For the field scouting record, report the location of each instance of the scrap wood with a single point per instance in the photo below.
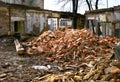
(106, 77)
(77, 50)
(19, 47)
(116, 63)
(96, 73)
(90, 73)
(69, 77)
(81, 42)
(41, 78)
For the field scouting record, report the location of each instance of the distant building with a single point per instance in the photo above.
(107, 19)
(52, 22)
(23, 19)
(65, 22)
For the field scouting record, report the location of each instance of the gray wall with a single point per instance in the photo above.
(34, 3)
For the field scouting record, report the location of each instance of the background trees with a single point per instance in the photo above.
(92, 4)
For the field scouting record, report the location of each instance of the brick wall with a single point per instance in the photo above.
(4, 24)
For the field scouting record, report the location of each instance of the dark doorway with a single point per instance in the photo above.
(16, 26)
(19, 26)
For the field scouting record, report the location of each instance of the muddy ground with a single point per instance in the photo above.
(24, 68)
(16, 68)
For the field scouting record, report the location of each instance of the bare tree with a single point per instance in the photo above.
(96, 4)
(74, 11)
(89, 4)
(92, 4)
(75, 8)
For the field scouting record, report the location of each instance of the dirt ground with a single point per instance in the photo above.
(15, 68)
(24, 68)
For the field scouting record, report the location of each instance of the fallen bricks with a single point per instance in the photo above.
(86, 57)
(70, 45)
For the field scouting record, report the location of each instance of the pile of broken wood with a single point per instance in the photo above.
(79, 50)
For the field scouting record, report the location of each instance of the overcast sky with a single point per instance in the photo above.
(52, 5)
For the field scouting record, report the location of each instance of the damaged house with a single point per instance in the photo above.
(106, 20)
(14, 16)
(29, 17)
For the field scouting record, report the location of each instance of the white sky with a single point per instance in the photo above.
(52, 5)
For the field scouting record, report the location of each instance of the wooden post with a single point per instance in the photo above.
(113, 29)
(19, 48)
(25, 21)
(86, 24)
(57, 23)
(105, 28)
(9, 28)
(46, 28)
(47, 24)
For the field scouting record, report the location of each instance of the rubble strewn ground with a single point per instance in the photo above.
(64, 55)
(77, 50)
(15, 68)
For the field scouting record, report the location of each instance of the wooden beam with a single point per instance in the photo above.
(57, 23)
(113, 29)
(19, 48)
(9, 27)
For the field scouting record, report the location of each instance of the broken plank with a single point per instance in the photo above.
(19, 48)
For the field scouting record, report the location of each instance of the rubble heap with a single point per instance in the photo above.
(85, 55)
(70, 44)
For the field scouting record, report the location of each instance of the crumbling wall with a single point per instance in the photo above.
(4, 24)
(19, 16)
(35, 3)
(117, 23)
(17, 12)
(102, 20)
(35, 22)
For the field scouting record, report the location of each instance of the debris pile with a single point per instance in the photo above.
(80, 56)
(69, 44)
(102, 71)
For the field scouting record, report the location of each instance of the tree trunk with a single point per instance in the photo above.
(98, 30)
(89, 6)
(92, 26)
(74, 22)
(96, 4)
(75, 6)
(89, 3)
(98, 27)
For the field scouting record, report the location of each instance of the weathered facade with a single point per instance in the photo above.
(17, 18)
(36, 21)
(4, 19)
(108, 20)
(33, 3)
(65, 17)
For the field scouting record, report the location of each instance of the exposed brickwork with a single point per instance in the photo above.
(4, 24)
